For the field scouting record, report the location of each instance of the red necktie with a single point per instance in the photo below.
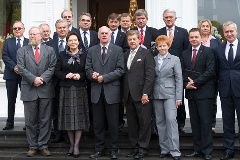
(37, 54)
(194, 57)
(141, 37)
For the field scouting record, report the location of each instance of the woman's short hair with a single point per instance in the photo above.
(164, 39)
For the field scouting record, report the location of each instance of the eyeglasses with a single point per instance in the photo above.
(17, 28)
(169, 17)
(65, 17)
(33, 34)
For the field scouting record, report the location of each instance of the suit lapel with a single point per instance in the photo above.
(136, 57)
(109, 52)
(99, 53)
(31, 53)
(237, 57)
(199, 53)
(25, 42)
(42, 52)
(166, 60)
(118, 37)
(13, 42)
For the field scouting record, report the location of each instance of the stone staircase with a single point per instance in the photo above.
(13, 145)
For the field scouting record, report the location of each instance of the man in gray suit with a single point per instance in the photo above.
(104, 68)
(36, 63)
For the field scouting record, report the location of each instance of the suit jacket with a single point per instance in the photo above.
(140, 78)
(180, 40)
(150, 36)
(93, 40)
(112, 69)
(214, 42)
(228, 76)
(121, 41)
(204, 64)
(29, 70)
(63, 68)
(168, 82)
(9, 57)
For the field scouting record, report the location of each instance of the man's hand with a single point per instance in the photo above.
(38, 81)
(100, 79)
(190, 84)
(16, 69)
(144, 99)
(95, 75)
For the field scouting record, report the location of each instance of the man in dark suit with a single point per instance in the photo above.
(46, 32)
(36, 64)
(59, 44)
(198, 64)
(180, 42)
(147, 34)
(13, 79)
(117, 37)
(88, 38)
(138, 83)
(85, 22)
(105, 67)
(68, 16)
(125, 22)
(228, 69)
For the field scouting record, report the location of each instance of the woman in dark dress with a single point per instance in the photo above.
(73, 104)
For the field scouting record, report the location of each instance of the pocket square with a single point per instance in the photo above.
(139, 60)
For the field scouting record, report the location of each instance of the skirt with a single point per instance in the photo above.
(73, 111)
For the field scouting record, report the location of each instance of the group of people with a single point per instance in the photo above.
(82, 80)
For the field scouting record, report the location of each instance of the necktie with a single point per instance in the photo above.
(131, 59)
(141, 37)
(18, 43)
(37, 54)
(103, 53)
(170, 36)
(85, 41)
(230, 55)
(112, 38)
(60, 47)
(194, 57)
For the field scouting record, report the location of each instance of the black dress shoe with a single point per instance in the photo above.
(140, 155)
(176, 157)
(207, 157)
(132, 154)
(163, 155)
(113, 154)
(69, 154)
(8, 127)
(194, 154)
(97, 155)
(227, 156)
(24, 128)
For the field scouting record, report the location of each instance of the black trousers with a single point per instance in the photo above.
(105, 113)
(229, 105)
(200, 111)
(181, 114)
(139, 124)
(12, 89)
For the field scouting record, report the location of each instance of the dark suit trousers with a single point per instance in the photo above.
(101, 110)
(12, 89)
(229, 105)
(139, 124)
(200, 111)
(38, 112)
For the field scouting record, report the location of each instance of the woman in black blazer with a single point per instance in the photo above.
(209, 40)
(73, 103)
